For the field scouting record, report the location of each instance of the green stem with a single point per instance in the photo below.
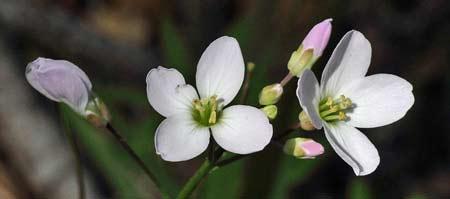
(286, 79)
(136, 158)
(229, 160)
(245, 87)
(194, 181)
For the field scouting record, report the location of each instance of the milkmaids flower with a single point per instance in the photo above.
(63, 81)
(185, 133)
(347, 99)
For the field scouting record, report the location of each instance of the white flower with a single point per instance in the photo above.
(347, 99)
(185, 133)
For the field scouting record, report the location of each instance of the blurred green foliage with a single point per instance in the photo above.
(359, 189)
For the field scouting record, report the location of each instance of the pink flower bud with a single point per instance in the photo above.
(311, 148)
(311, 48)
(60, 81)
(317, 38)
(303, 148)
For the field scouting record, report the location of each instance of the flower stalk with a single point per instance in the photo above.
(246, 85)
(136, 158)
(194, 181)
(286, 79)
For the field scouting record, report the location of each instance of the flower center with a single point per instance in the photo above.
(332, 110)
(206, 111)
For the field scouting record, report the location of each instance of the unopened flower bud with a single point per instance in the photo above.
(60, 81)
(250, 66)
(97, 113)
(303, 148)
(311, 48)
(271, 111)
(270, 94)
(305, 121)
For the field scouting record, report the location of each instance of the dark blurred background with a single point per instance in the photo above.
(118, 41)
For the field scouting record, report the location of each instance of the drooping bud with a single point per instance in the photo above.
(270, 94)
(271, 111)
(303, 148)
(60, 81)
(97, 113)
(311, 48)
(305, 121)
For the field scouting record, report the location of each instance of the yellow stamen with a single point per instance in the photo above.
(342, 116)
(206, 111)
(334, 110)
(212, 117)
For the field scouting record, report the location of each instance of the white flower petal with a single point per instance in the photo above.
(179, 138)
(167, 91)
(220, 70)
(60, 81)
(379, 100)
(308, 94)
(242, 129)
(349, 61)
(353, 147)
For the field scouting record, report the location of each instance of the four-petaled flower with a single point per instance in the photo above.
(346, 99)
(185, 133)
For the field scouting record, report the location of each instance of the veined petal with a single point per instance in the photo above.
(60, 81)
(308, 94)
(349, 62)
(379, 100)
(220, 70)
(242, 129)
(167, 91)
(179, 138)
(353, 147)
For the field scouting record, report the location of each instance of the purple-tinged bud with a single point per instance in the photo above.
(311, 48)
(317, 38)
(60, 81)
(303, 148)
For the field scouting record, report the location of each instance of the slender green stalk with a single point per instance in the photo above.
(229, 160)
(76, 152)
(136, 158)
(286, 79)
(194, 181)
(245, 87)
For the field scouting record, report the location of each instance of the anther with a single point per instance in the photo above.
(334, 110)
(342, 116)
(212, 117)
(329, 101)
